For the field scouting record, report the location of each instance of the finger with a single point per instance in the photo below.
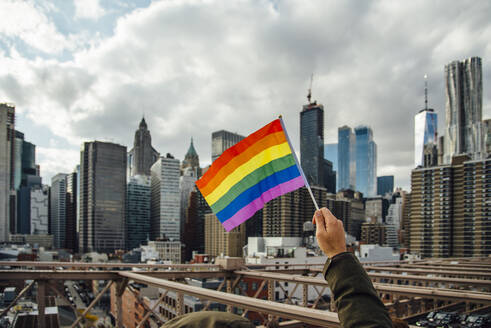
(328, 216)
(319, 219)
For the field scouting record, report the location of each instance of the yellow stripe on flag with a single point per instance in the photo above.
(242, 171)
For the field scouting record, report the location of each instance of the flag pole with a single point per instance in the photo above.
(298, 164)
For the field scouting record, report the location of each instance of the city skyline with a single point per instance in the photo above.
(96, 86)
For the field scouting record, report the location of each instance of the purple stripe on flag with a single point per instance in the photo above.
(247, 211)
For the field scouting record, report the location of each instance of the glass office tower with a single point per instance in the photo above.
(425, 132)
(312, 143)
(346, 158)
(366, 161)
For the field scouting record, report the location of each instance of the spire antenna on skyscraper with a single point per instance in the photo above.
(309, 95)
(426, 92)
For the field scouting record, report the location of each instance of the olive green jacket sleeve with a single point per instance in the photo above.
(354, 295)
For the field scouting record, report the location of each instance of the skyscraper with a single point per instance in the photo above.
(102, 197)
(312, 143)
(191, 159)
(331, 154)
(39, 210)
(463, 108)
(165, 207)
(487, 135)
(385, 184)
(425, 130)
(329, 176)
(138, 211)
(58, 209)
(366, 161)
(346, 158)
(19, 143)
(221, 141)
(143, 155)
(71, 240)
(7, 135)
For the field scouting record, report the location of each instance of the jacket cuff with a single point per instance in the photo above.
(336, 258)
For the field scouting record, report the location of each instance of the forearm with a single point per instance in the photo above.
(355, 297)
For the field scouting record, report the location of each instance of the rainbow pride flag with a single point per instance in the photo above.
(254, 171)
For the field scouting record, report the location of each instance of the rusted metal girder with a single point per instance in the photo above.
(149, 313)
(434, 272)
(422, 279)
(101, 275)
(310, 316)
(36, 264)
(23, 291)
(411, 291)
(142, 302)
(415, 278)
(462, 267)
(91, 305)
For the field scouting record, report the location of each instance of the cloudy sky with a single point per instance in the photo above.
(89, 69)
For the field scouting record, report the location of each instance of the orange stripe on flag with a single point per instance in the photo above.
(236, 150)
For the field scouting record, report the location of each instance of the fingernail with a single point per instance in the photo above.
(318, 214)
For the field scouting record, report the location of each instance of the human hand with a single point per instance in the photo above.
(330, 232)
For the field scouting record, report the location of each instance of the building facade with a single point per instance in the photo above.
(450, 209)
(331, 154)
(7, 135)
(102, 197)
(165, 209)
(329, 176)
(385, 185)
(142, 156)
(284, 216)
(71, 239)
(138, 211)
(425, 132)
(39, 210)
(219, 242)
(221, 141)
(487, 136)
(393, 222)
(312, 143)
(463, 109)
(168, 251)
(373, 232)
(346, 158)
(366, 161)
(58, 209)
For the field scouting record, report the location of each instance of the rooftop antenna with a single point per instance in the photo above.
(309, 95)
(426, 92)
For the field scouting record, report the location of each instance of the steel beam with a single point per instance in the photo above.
(36, 264)
(427, 272)
(101, 275)
(462, 267)
(310, 316)
(412, 291)
(23, 291)
(91, 305)
(149, 313)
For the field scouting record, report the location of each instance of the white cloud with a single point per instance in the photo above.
(194, 67)
(90, 9)
(56, 160)
(23, 20)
